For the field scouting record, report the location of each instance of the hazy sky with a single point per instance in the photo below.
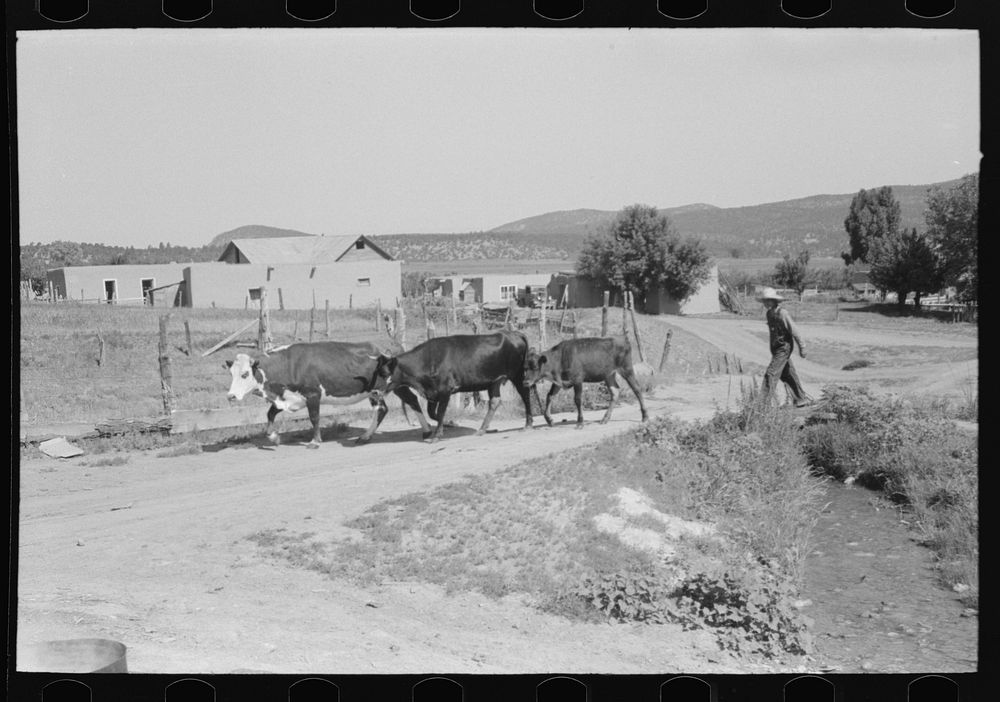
(141, 136)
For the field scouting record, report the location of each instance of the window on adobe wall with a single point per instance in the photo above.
(364, 282)
(508, 292)
(254, 293)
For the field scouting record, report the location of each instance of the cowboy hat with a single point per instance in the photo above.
(769, 294)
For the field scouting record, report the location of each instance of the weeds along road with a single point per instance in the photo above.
(154, 552)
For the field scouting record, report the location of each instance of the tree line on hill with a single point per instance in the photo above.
(642, 248)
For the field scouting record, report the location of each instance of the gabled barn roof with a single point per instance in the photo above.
(295, 249)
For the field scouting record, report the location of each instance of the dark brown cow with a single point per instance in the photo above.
(445, 365)
(573, 362)
(306, 375)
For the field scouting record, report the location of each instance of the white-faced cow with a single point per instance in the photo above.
(306, 375)
(573, 362)
(445, 365)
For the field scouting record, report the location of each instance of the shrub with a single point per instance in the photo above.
(753, 611)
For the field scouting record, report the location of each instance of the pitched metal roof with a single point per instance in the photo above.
(298, 249)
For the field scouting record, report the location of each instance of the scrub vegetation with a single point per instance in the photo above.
(705, 525)
(916, 457)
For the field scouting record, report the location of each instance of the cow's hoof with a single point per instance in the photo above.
(548, 421)
(312, 445)
(426, 435)
(645, 418)
(480, 432)
(579, 426)
(274, 439)
(363, 439)
(603, 421)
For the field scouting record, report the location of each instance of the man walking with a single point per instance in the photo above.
(784, 337)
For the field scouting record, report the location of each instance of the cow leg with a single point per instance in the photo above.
(578, 399)
(312, 405)
(634, 384)
(525, 394)
(379, 411)
(548, 402)
(272, 431)
(615, 391)
(494, 393)
(410, 400)
(442, 408)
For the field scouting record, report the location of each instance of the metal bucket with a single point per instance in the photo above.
(73, 656)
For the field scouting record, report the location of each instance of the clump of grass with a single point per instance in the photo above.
(854, 365)
(186, 449)
(110, 461)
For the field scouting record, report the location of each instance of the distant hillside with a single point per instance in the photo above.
(578, 222)
(253, 231)
(815, 223)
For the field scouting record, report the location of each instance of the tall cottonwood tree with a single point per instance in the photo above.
(642, 249)
(905, 263)
(793, 272)
(874, 214)
(952, 218)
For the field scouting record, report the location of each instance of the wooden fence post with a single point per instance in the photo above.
(327, 312)
(100, 349)
(166, 376)
(378, 314)
(635, 328)
(604, 313)
(454, 314)
(543, 323)
(281, 300)
(350, 301)
(312, 322)
(401, 327)
(624, 312)
(573, 312)
(666, 350)
(187, 336)
(264, 322)
(295, 327)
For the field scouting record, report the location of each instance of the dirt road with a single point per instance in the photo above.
(154, 553)
(747, 338)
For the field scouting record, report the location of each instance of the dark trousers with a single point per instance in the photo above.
(781, 368)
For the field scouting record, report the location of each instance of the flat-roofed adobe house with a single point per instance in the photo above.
(346, 271)
(125, 284)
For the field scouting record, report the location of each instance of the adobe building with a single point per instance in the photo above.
(346, 271)
(124, 284)
(582, 291)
